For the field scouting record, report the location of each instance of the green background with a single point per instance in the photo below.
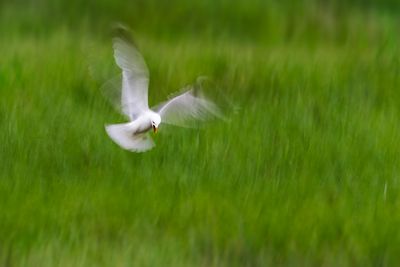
(305, 173)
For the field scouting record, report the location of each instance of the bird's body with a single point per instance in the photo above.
(179, 110)
(134, 135)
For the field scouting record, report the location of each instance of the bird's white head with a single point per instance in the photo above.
(155, 121)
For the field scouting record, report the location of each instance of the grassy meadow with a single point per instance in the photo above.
(305, 173)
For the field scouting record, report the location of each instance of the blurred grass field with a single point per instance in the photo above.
(306, 173)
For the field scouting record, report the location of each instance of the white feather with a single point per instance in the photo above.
(135, 78)
(188, 108)
(123, 135)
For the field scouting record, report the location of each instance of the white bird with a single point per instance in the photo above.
(180, 110)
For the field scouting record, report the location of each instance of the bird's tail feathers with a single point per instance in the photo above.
(123, 135)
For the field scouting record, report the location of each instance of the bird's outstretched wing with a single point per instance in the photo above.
(135, 77)
(188, 109)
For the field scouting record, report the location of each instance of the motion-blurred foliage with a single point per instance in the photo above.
(306, 173)
(267, 21)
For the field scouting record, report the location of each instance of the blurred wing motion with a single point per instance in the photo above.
(123, 136)
(135, 78)
(188, 109)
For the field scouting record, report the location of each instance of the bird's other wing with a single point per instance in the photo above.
(111, 90)
(188, 109)
(122, 135)
(135, 77)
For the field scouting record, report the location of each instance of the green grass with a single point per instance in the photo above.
(306, 173)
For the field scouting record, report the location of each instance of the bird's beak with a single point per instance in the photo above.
(155, 129)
